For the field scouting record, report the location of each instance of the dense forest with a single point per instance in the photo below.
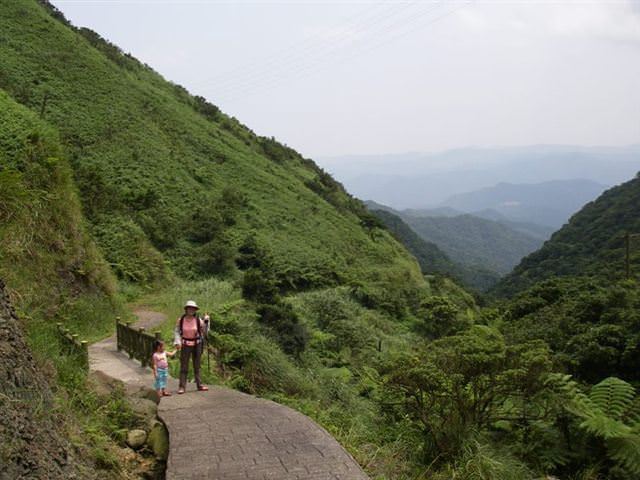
(483, 249)
(592, 243)
(117, 186)
(432, 259)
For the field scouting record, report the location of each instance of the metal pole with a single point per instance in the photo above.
(206, 344)
(627, 242)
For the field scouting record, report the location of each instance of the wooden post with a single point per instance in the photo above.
(129, 342)
(140, 347)
(158, 335)
(118, 335)
(85, 351)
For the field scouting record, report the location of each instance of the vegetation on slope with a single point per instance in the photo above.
(481, 249)
(169, 177)
(52, 424)
(475, 241)
(48, 260)
(592, 243)
(314, 304)
(431, 258)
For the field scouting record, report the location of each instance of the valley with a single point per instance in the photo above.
(487, 331)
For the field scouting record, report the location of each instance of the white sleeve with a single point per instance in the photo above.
(176, 336)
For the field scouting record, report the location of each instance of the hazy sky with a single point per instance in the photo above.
(330, 77)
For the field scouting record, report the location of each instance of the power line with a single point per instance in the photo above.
(299, 51)
(305, 70)
(311, 62)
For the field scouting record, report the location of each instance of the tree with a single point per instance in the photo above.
(439, 317)
(472, 382)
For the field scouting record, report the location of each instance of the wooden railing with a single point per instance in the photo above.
(135, 341)
(73, 346)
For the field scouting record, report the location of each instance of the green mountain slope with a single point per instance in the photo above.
(170, 184)
(475, 241)
(592, 243)
(431, 258)
(51, 425)
(47, 259)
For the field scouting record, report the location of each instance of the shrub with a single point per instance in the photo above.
(259, 287)
(284, 323)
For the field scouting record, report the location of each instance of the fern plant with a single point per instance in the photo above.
(611, 411)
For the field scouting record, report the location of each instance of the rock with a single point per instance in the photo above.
(144, 392)
(143, 408)
(136, 438)
(33, 443)
(103, 384)
(158, 441)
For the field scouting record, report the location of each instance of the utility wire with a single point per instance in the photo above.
(293, 48)
(245, 90)
(307, 63)
(296, 52)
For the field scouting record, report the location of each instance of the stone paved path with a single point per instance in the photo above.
(224, 434)
(104, 356)
(227, 435)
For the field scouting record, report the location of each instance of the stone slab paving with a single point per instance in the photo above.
(224, 434)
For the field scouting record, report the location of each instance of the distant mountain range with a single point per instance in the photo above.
(546, 203)
(420, 180)
(541, 232)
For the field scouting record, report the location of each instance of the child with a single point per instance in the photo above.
(160, 366)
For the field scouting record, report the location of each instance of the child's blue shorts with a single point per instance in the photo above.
(161, 378)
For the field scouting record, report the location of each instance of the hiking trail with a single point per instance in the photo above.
(224, 434)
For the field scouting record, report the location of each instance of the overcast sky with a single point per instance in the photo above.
(331, 77)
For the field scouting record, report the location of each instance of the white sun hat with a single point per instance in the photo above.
(191, 303)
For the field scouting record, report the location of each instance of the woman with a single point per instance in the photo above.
(189, 336)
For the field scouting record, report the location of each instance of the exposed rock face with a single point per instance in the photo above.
(31, 444)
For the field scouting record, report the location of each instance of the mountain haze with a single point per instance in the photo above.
(547, 204)
(422, 180)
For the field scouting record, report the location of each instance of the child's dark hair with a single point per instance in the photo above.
(157, 344)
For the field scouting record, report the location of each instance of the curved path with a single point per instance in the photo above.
(224, 434)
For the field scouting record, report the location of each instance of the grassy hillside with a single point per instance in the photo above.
(49, 262)
(52, 425)
(109, 172)
(431, 258)
(172, 185)
(592, 243)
